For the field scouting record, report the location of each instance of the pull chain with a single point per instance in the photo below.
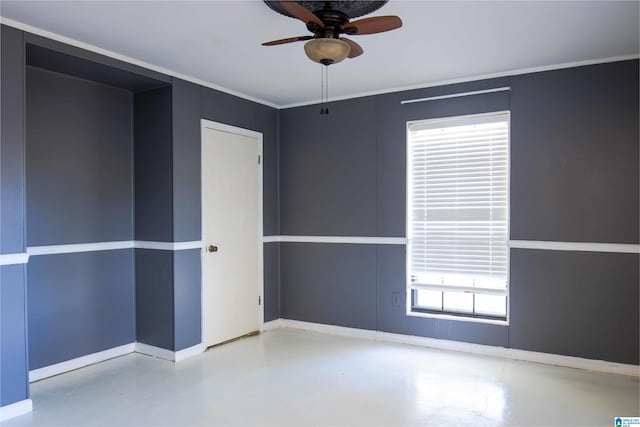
(324, 89)
(321, 89)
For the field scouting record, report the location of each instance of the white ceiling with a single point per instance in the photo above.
(218, 42)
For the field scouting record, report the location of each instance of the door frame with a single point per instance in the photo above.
(222, 127)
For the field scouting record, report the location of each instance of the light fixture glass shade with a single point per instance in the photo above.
(327, 50)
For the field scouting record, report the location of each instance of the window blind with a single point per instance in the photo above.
(459, 203)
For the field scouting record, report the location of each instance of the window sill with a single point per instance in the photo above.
(459, 318)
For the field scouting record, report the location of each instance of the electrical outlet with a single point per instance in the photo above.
(395, 299)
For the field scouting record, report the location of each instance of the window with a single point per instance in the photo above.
(458, 217)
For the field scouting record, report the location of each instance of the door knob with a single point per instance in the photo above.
(212, 248)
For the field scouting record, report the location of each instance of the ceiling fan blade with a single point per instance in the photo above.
(289, 40)
(373, 25)
(302, 13)
(356, 49)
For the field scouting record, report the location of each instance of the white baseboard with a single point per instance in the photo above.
(273, 324)
(163, 353)
(574, 362)
(15, 409)
(485, 350)
(185, 353)
(90, 359)
(79, 362)
(328, 329)
(150, 350)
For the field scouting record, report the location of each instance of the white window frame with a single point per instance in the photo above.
(409, 287)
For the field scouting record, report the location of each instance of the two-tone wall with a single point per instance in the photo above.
(14, 386)
(101, 207)
(574, 178)
(106, 152)
(168, 206)
(79, 189)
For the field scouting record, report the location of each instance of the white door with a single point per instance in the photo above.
(232, 230)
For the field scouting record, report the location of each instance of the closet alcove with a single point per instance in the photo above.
(98, 154)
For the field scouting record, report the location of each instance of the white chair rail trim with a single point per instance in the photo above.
(13, 259)
(109, 246)
(513, 244)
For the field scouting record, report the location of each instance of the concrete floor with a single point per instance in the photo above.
(287, 377)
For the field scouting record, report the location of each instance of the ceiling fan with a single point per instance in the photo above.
(328, 20)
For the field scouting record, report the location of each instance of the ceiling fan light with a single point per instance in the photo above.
(327, 50)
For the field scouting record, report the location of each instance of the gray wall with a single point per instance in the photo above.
(12, 202)
(187, 301)
(272, 294)
(575, 303)
(328, 181)
(14, 371)
(186, 113)
(186, 107)
(79, 139)
(154, 298)
(574, 177)
(82, 189)
(14, 378)
(153, 166)
(79, 304)
(79, 160)
(337, 283)
(574, 161)
(153, 172)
